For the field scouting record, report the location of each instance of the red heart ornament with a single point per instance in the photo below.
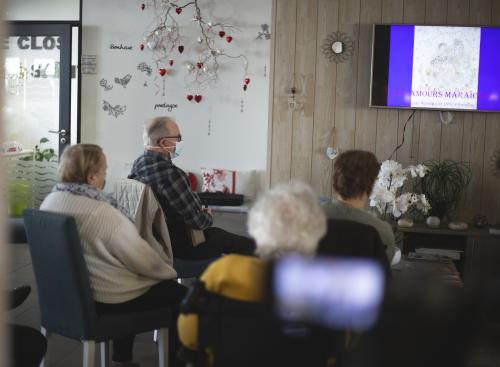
(222, 34)
(162, 71)
(229, 39)
(189, 97)
(178, 10)
(170, 62)
(141, 46)
(143, 6)
(181, 49)
(198, 98)
(247, 81)
(200, 65)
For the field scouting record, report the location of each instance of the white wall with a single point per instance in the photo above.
(43, 10)
(238, 140)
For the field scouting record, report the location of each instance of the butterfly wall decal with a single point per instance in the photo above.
(145, 68)
(123, 81)
(113, 110)
(104, 83)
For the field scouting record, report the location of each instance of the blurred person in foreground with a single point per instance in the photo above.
(286, 219)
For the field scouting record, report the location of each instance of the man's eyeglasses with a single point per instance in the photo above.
(177, 137)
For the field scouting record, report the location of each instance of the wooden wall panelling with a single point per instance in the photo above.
(281, 147)
(337, 96)
(366, 117)
(324, 102)
(462, 212)
(413, 13)
(473, 148)
(430, 124)
(305, 79)
(345, 94)
(388, 119)
(452, 133)
(490, 198)
(266, 180)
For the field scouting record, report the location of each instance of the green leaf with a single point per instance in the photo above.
(44, 140)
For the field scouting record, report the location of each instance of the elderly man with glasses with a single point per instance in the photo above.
(182, 207)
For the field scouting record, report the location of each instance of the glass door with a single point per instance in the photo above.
(37, 89)
(37, 110)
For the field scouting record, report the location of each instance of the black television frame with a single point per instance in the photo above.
(371, 105)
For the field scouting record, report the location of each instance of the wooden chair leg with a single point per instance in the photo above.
(88, 353)
(45, 360)
(105, 355)
(163, 347)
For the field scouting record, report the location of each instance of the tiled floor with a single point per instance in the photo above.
(68, 353)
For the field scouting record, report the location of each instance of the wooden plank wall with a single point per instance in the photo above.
(332, 99)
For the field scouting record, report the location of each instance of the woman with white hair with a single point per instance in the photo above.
(285, 219)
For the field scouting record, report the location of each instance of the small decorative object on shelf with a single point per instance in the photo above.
(218, 180)
(338, 47)
(458, 226)
(495, 230)
(405, 223)
(433, 221)
(11, 147)
(480, 221)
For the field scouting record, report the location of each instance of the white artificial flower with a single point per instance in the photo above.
(414, 198)
(386, 196)
(417, 171)
(396, 212)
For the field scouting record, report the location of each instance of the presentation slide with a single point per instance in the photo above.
(444, 67)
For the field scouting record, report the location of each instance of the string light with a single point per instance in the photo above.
(164, 39)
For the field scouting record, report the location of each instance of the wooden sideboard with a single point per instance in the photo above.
(479, 251)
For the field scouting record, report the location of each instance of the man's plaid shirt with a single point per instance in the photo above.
(172, 189)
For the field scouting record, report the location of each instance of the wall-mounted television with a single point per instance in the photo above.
(435, 67)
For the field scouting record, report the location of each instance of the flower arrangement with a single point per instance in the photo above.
(386, 196)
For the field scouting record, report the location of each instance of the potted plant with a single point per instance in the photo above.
(46, 154)
(38, 171)
(444, 184)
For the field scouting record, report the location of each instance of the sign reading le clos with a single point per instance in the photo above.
(36, 43)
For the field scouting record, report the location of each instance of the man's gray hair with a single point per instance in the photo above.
(154, 129)
(287, 218)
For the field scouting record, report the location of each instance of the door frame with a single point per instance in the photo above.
(62, 29)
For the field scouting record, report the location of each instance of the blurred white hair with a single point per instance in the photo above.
(154, 129)
(287, 218)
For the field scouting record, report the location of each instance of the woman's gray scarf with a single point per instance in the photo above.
(90, 192)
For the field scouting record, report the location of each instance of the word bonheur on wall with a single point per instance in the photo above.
(120, 47)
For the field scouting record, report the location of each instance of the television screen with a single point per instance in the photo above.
(436, 67)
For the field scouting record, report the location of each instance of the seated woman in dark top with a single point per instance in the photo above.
(354, 175)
